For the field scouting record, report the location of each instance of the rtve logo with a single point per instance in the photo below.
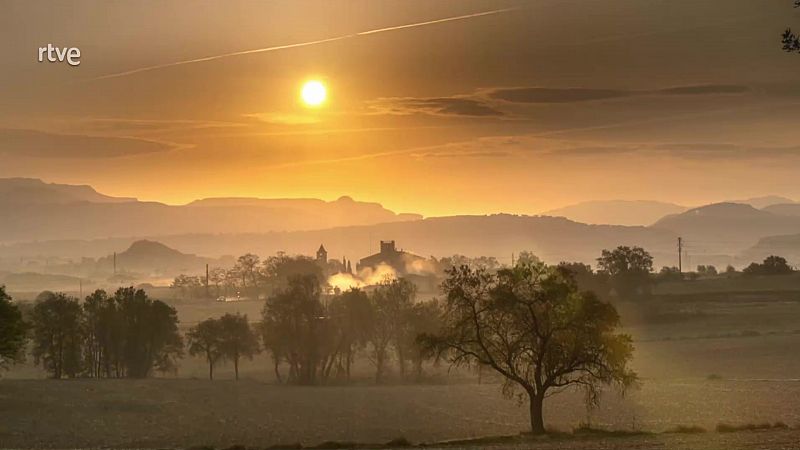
(72, 55)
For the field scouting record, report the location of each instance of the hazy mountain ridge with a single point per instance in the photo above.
(617, 212)
(727, 227)
(554, 239)
(784, 209)
(764, 201)
(35, 191)
(62, 212)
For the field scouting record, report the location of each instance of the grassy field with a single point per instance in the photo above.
(702, 361)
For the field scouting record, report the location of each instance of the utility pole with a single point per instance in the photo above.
(115, 263)
(512, 259)
(80, 288)
(207, 281)
(680, 251)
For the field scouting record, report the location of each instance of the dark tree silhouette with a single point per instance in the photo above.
(237, 339)
(353, 324)
(628, 269)
(204, 340)
(293, 329)
(772, 265)
(57, 337)
(530, 324)
(390, 300)
(13, 332)
(150, 329)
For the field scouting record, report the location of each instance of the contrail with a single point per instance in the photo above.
(302, 44)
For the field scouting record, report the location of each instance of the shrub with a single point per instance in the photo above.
(687, 429)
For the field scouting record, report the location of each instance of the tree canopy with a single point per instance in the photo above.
(13, 332)
(531, 324)
(628, 269)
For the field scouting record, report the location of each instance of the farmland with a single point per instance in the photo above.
(705, 363)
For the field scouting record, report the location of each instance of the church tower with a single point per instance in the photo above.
(322, 255)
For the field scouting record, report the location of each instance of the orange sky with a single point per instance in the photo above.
(552, 103)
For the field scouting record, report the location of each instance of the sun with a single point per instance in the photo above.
(313, 93)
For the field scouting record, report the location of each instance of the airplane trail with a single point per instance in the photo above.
(301, 44)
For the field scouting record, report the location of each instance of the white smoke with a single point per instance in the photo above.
(365, 277)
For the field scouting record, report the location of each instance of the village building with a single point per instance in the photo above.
(402, 262)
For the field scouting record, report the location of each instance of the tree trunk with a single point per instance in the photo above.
(236, 367)
(210, 371)
(537, 418)
(278, 376)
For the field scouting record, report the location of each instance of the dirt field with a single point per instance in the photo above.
(730, 362)
(180, 413)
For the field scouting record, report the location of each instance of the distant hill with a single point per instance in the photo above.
(554, 239)
(37, 282)
(62, 212)
(617, 212)
(150, 257)
(784, 209)
(787, 246)
(727, 227)
(763, 202)
(35, 191)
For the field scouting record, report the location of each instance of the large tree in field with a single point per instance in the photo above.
(532, 325)
(237, 339)
(628, 270)
(13, 331)
(204, 340)
(57, 334)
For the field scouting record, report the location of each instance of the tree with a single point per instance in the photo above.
(420, 319)
(772, 265)
(151, 338)
(204, 339)
(280, 268)
(237, 340)
(586, 278)
(293, 329)
(527, 257)
(188, 285)
(217, 276)
(247, 267)
(791, 41)
(353, 324)
(57, 337)
(530, 324)
(13, 332)
(628, 269)
(707, 271)
(390, 300)
(98, 322)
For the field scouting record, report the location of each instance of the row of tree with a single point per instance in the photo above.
(319, 340)
(124, 335)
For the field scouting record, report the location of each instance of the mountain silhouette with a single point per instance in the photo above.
(153, 257)
(617, 212)
(35, 191)
(727, 227)
(53, 212)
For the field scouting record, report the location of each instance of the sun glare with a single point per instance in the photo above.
(313, 93)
